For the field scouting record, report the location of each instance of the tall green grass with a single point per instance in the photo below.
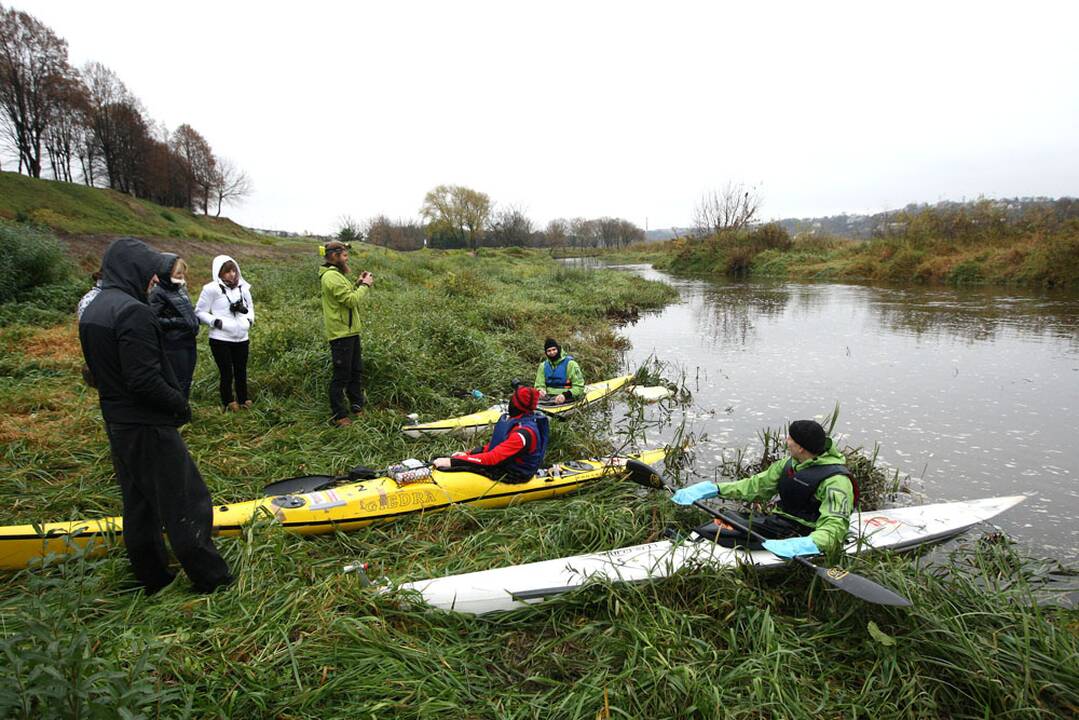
(297, 638)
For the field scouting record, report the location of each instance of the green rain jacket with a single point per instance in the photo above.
(836, 496)
(574, 375)
(340, 303)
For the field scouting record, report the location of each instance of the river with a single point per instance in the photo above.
(971, 392)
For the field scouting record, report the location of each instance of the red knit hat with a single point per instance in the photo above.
(524, 399)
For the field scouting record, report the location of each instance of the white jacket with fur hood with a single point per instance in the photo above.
(216, 299)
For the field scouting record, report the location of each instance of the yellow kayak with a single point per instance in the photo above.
(468, 424)
(345, 507)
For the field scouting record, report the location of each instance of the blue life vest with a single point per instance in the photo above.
(525, 463)
(557, 376)
(797, 490)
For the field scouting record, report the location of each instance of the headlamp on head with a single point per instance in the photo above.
(335, 247)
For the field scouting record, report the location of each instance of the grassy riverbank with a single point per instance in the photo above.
(296, 638)
(975, 244)
(74, 209)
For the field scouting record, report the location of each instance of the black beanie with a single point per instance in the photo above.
(809, 434)
(551, 343)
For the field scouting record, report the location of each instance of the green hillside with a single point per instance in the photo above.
(73, 209)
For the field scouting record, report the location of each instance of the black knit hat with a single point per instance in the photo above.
(551, 343)
(809, 434)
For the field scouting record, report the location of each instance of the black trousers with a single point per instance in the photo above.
(231, 359)
(773, 527)
(347, 379)
(182, 358)
(162, 487)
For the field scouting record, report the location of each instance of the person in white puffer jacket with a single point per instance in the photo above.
(225, 305)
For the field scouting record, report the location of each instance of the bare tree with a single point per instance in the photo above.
(732, 208)
(193, 148)
(583, 233)
(557, 232)
(66, 126)
(33, 63)
(395, 234)
(131, 146)
(511, 228)
(348, 229)
(231, 184)
(110, 114)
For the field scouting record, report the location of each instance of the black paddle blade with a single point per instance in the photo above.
(361, 472)
(859, 586)
(300, 485)
(644, 474)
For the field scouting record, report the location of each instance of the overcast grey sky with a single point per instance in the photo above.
(627, 109)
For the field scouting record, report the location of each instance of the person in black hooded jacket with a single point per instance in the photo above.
(176, 316)
(143, 406)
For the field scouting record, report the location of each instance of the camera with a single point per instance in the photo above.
(238, 306)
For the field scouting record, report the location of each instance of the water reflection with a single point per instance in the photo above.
(977, 314)
(728, 316)
(974, 392)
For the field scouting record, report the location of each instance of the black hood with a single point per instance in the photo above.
(128, 265)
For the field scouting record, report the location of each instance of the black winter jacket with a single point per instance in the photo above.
(123, 343)
(174, 311)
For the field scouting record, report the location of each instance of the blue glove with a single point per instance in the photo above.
(792, 547)
(699, 491)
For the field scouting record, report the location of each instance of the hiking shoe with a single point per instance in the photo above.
(356, 408)
(342, 422)
(232, 407)
(247, 404)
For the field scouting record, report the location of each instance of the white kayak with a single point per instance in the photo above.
(516, 586)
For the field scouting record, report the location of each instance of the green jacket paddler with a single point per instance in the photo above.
(816, 494)
(559, 378)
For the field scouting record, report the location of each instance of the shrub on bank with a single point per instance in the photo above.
(1054, 260)
(29, 257)
(38, 283)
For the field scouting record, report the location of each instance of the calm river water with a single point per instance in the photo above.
(971, 392)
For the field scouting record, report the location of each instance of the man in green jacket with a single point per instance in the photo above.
(559, 378)
(341, 316)
(816, 497)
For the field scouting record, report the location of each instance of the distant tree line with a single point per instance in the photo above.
(946, 219)
(84, 125)
(453, 216)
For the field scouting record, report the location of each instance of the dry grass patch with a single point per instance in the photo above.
(58, 345)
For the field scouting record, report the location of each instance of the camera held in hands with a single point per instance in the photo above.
(238, 306)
